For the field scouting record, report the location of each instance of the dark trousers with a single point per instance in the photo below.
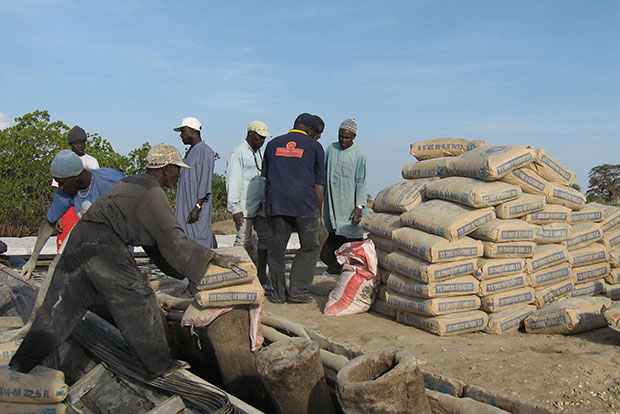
(304, 264)
(333, 243)
(97, 264)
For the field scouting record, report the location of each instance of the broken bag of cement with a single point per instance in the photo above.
(358, 281)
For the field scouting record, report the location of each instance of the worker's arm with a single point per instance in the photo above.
(319, 189)
(46, 230)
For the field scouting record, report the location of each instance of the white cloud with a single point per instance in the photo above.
(5, 121)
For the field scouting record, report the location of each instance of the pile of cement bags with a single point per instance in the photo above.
(482, 237)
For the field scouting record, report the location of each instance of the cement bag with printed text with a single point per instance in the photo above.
(443, 147)
(358, 281)
(427, 168)
(550, 169)
(568, 317)
(491, 163)
(401, 197)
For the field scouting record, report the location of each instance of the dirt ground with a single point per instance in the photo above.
(576, 374)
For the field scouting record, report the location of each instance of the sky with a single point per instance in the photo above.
(539, 73)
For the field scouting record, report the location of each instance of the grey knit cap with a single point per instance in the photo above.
(66, 164)
(349, 125)
(76, 134)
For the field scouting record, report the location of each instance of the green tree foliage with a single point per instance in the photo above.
(604, 184)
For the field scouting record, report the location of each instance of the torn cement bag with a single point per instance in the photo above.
(355, 289)
(525, 204)
(582, 235)
(433, 306)
(401, 197)
(552, 233)
(509, 320)
(611, 216)
(492, 268)
(568, 317)
(442, 147)
(499, 230)
(383, 243)
(502, 284)
(612, 291)
(552, 213)
(27, 388)
(218, 276)
(613, 278)
(550, 169)
(588, 273)
(546, 255)
(611, 239)
(507, 300)
(590, 213)
(427, 168)
(591, 288)
(464, 285)
(436, 249)
(550, 275)
(246, 294)
(565, 196)
(553, 293)
(443, 325)
(381, 224)
(527, 180)
(472, 192)
(508, 250)
(426, 272)
(594, 253)
(446, 219)
(490, 163)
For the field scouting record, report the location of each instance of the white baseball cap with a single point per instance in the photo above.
(260, 128)
(189, 122)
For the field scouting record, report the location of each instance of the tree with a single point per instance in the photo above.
(604, 184)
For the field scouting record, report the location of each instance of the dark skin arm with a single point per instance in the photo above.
(195, 213)
(318, 190)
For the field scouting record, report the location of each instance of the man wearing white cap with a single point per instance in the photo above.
(193, 205)
(246, 193)
(97, 263)
(78, 187)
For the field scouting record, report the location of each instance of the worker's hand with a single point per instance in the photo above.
(28, 268)
(238, 218)
(59, 226)
(356, 215)
(193, 215)
(225, 260)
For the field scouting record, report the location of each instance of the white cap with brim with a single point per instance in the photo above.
(161, 155)
(189, 122)
(66, 164)
(260, 128)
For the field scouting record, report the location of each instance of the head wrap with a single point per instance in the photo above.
(66, 164)
(349, 125)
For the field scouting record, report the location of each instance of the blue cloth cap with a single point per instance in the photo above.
(66, 164)
(308, 120)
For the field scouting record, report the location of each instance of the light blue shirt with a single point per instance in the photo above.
(242, 166)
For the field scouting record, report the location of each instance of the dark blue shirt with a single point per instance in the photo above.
(292, 164)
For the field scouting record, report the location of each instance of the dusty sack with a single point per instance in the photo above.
(527, 180)
(218, 276)
(446, 219)
(552, 213)
(381, 224)
(569, 316)
(432, 306)
(550, 169)
(612, 291)
(246, 294)
(591, 288)
(525, 204)
(27, 388)
(400, 197)
(427, 168)
(565, 196)
(591, 272)
(508, 250)
(492, 268)
(582, 235)
(472, 192)
(383, 243)
(464, 285)
(611, 216)
(506, 300)
(591, 254)
(21, 408)
(498, 230)
(451, 324)
(613, 278)
(591, 212)
(426, 272)
(502, 284)
(509, 320)
(546, 255)
(436, 249)
(611, 239)
(8, 349)
(552, 293)
(491, 163)
(442, 147)
(552, 233)
(550, 275)
(382, 307)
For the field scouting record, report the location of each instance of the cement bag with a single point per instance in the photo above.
(442, 147)
(612, 291)
(427, 168)
(26, 388)
(588, 273)
(218, 276)
(381, 224)
(383, 243)
(509, 320)
(472, 192)
(426, 272)
(546, 255)
(382, 258)
(591, 288)
(611, 313)
(400, 197)
(527, 180)
(433, 306)
(382, 274)
(492, 268)
(381, 306)
(491, 163)
(590, 213)
(507, 300)
(550, 275)
(550, 169)
(525, 204)
(611, 216)
(464, 285)
(552, 213)
(357, 284)
(591, 254)
(381, 291)
(614, 258)
(508, 250)
(552, 293)
(613, 278)
(8, 349)
(552, 233)
(502, 284)
(446, 219)
(565, 196)
(582, 235)
(568, 317)
(444, 325)
(246, 294)
(611, 239)
(436, 249)
(498, 231)
(20, 408)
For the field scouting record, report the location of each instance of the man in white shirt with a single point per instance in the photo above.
(246, 193)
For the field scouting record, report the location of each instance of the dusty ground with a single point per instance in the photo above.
(577, 374)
